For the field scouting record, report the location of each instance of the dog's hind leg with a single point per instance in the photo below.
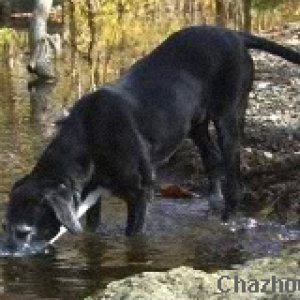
(248, 76)
(212, 162)
(230, 97)
(228, 139)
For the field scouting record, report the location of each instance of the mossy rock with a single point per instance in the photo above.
(185, 283)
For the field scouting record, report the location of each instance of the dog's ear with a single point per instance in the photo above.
(65, 213)
(19, 182)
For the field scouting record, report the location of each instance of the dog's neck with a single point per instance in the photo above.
(66, 159)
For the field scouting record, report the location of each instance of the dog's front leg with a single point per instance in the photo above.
(93, 217)
(136, 212)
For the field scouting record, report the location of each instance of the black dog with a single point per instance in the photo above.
(115, 137)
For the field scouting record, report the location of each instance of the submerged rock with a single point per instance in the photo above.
(266, 278)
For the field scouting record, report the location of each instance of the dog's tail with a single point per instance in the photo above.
(255, 42)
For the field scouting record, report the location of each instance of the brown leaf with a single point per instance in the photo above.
(174, 191)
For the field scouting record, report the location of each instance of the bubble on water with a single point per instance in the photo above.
(251, 223)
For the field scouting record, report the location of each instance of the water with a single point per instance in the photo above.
(178, 232)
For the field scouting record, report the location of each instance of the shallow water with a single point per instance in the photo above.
(178, 231)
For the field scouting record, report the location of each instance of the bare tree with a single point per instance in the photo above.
(220, 12)
(247, 15)
(5, 9)
(42, 44)
(91, 12)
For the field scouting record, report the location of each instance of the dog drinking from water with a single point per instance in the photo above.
(115, 137)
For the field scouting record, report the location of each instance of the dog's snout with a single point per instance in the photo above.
(21, 235)
(23, 232)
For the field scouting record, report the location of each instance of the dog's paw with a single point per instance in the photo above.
(103, 230)
(216, 202)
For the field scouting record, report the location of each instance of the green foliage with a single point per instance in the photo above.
(262, 5)
(128, 29)
(124, 30)
(127, 24)
(7, 36)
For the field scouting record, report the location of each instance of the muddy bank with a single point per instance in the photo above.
(249, 281)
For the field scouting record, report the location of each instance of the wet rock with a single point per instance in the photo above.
(268, 155)
(186, 283)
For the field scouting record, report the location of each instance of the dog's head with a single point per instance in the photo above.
(37, 208)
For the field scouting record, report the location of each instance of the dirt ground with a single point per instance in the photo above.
(271, 149)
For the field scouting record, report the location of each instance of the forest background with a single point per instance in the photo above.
(111, 34)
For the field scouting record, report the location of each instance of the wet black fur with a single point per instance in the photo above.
(116, 136)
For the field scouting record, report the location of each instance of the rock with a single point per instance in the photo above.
(268, 155)
(186, 283)
(262, 85)
(248, 149)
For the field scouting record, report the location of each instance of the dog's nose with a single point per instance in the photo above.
(23, 232)
(19, 238)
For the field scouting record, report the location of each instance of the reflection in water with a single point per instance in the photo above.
(30, 276)
(40, 94)
(42, 111)
(14, 129)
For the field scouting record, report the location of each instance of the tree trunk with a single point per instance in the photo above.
(5, 11)
(72, 26)
(92, 9)
(247, 15)
(40, 42)
(220, 12)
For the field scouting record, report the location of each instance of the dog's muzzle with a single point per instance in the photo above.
(20, 236)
